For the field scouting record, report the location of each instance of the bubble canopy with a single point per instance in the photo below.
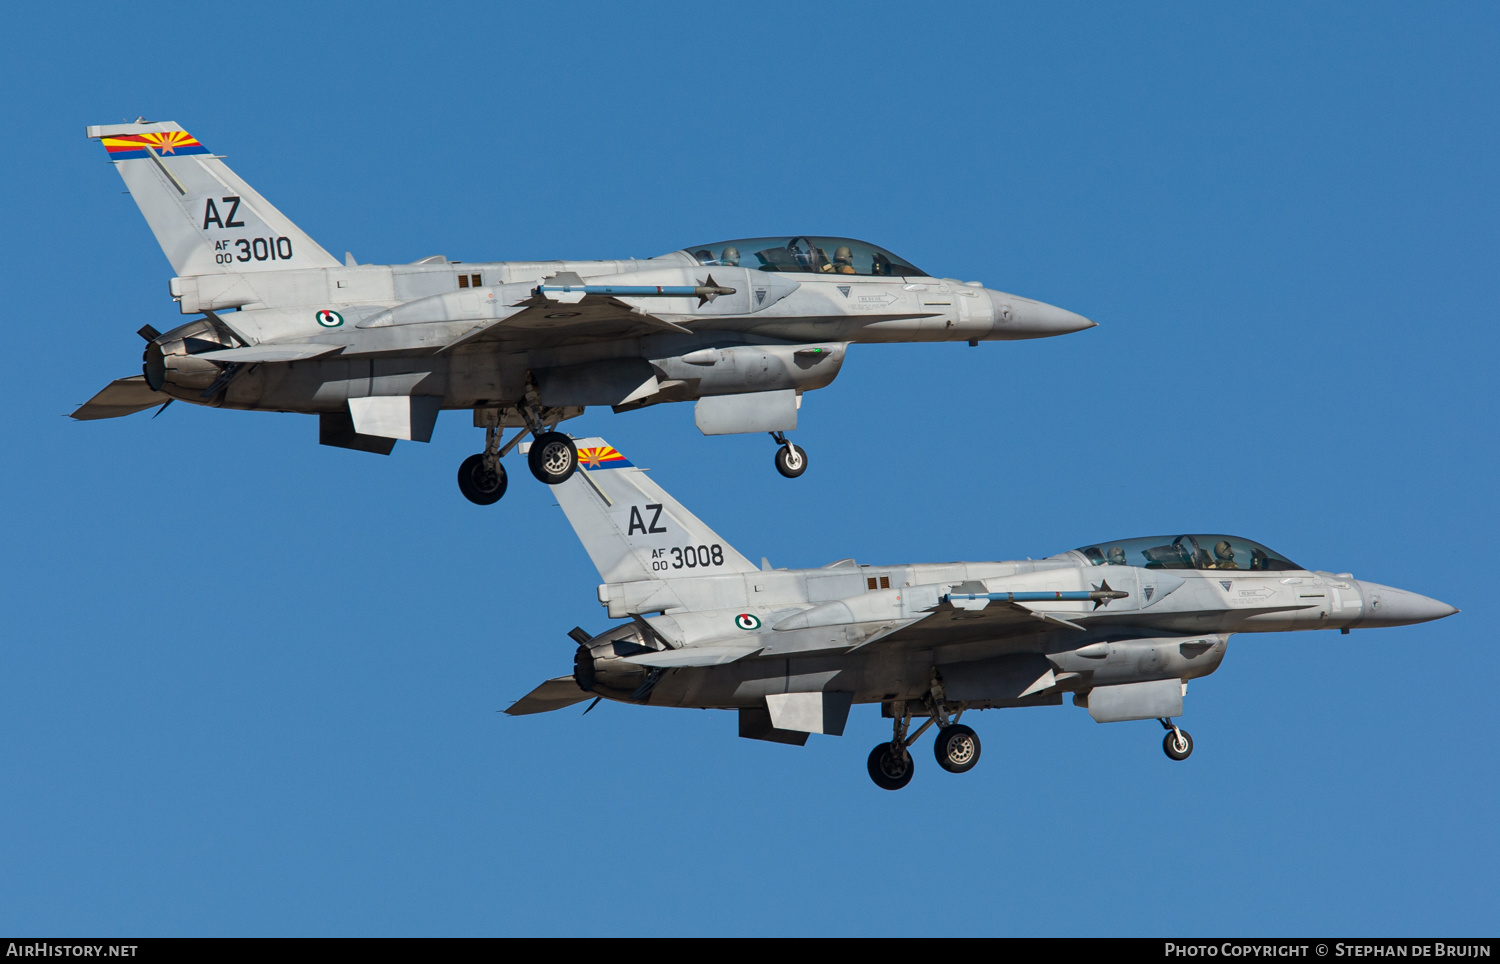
(1196, 551)
(808, 254)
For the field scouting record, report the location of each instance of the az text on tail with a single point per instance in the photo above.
(632, 529)
(205, 218)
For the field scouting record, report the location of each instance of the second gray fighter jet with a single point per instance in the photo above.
(1120, 626)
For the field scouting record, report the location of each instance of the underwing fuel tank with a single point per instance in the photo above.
(1138, 660)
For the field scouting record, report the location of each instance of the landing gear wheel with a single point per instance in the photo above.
(956, 748)
(552, 458)
(480, 484)
(1178, 744)
(791, 461)
(888, 770)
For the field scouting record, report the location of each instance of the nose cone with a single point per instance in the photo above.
(1386, 606)
(1017, 318)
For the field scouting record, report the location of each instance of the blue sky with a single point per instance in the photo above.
(251, 684)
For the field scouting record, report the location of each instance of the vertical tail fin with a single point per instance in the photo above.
(205, 218)
(631, 528)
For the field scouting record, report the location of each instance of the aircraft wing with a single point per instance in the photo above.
(123, 396)
(551, 695)
(543, 321)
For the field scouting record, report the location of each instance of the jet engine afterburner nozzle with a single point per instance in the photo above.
(169, 363)
(599, 667)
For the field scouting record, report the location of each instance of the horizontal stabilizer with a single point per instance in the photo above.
(713, 654)
(551, 695)
(123, 396)
(268, 353)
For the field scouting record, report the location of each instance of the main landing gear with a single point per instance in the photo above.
(553, 457)
(1177, 744)
(791, 460)
(956, 746)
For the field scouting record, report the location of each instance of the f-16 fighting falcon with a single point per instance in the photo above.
(743, 328)
(1122, 626)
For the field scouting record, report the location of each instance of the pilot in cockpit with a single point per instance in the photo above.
(1224, 555)
(1116, 556)
(730, 256)
(843, 261)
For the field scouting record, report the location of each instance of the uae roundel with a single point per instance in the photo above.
(746, 621)
(329, 319)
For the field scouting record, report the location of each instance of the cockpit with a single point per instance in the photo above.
(1188, 552)
(813, 255)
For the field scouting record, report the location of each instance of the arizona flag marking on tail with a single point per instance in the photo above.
(602, 457)
(128, 147)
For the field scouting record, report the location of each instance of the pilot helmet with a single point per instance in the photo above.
(842, 255)
(730, 256)
(1116, 556)
(1224, 550)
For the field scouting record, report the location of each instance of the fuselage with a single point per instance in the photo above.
(821, 629)
(393, 328)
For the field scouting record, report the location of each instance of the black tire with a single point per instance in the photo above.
(888, 772)
(1175, 750)
(956, 748)
(480, 485)
(791, 461)
(553, 458)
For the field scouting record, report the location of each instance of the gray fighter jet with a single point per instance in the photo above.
(743, 328)
(1121, 625)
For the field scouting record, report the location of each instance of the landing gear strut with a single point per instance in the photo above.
(1177, 743)
(481, 478)
(956, 746)
(791, 460)
(553, 456)
(552, 459)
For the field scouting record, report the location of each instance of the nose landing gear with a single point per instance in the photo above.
(1177, 744)
(791, 460)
